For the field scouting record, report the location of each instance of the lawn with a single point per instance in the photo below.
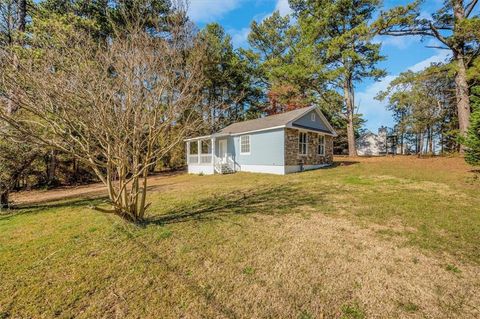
(380, 237)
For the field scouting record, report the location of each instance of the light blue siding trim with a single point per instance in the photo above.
(266, 148)
(306, 121)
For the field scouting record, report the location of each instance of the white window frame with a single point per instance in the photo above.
(323, 145)
(313, 117)
(302, 145)
(249, 144)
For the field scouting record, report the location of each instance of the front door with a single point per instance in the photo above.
(222, 150)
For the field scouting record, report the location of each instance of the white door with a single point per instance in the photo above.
(222, 150)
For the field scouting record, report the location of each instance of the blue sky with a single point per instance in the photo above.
(402, 53)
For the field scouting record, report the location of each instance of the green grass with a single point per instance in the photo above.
(352, 312)
(350, 241)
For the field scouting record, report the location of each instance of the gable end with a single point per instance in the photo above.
(316, 123)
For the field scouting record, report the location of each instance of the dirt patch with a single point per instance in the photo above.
(95, 190)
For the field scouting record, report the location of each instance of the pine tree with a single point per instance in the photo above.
(338, 34)
(455, 26)
(472, 139)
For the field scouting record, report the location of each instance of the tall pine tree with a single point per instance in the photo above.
(455, 26)
(339, 34)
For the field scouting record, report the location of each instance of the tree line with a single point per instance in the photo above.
(107, 90)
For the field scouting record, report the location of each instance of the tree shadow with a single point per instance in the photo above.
(268, 201)
(341, 163)
(170, 173)
(40, 207)
(163, 186)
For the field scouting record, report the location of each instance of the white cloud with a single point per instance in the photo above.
(239, 37)
(397, 42)
(374, 111)
(441, 56)
(283, 7)
(210, 10)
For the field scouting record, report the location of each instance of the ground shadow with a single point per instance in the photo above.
(163, 186)
(340, 163)
(170, 173)
(39, 207)
(268, 201)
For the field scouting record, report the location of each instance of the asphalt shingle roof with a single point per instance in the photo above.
(265, 122)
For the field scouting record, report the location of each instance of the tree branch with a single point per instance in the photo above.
(469, 8)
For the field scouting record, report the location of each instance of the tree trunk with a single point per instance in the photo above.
(51, 165)
(462, 95)
(11, 106)
(416, 143)
(441, 142)
(4, 197)
(349, 103)
(402, 143)
(74, 178)
(430, 140)
(461, 85)
(22, 14)
(420, 144)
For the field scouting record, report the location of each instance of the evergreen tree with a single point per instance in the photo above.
(455, 26)
(274, 41)
(110, 15)
(472, 139)
(231, 86)
(422, 104)
(337, 33)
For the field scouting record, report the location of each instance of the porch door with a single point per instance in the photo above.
(222, 150)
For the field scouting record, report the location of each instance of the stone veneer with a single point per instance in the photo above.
(312, 158)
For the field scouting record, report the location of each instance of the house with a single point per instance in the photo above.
(370, 144)
(290, 142)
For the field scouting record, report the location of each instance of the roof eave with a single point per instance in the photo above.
(204, 137)
(311, 129)
(259, 130)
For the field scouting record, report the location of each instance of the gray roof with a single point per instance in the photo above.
(266, 122)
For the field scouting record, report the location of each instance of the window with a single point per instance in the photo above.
(302, 143)
(193, 148)
(245, 144)
(321, 144)
(206, 147)
(312, 117)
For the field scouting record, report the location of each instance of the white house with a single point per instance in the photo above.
(370, 144)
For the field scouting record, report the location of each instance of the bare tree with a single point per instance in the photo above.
(108, 104)
(16, 158)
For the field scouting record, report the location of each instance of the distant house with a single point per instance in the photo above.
(279, 144)
(370, 144)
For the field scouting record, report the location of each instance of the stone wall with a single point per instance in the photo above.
(312, 158)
